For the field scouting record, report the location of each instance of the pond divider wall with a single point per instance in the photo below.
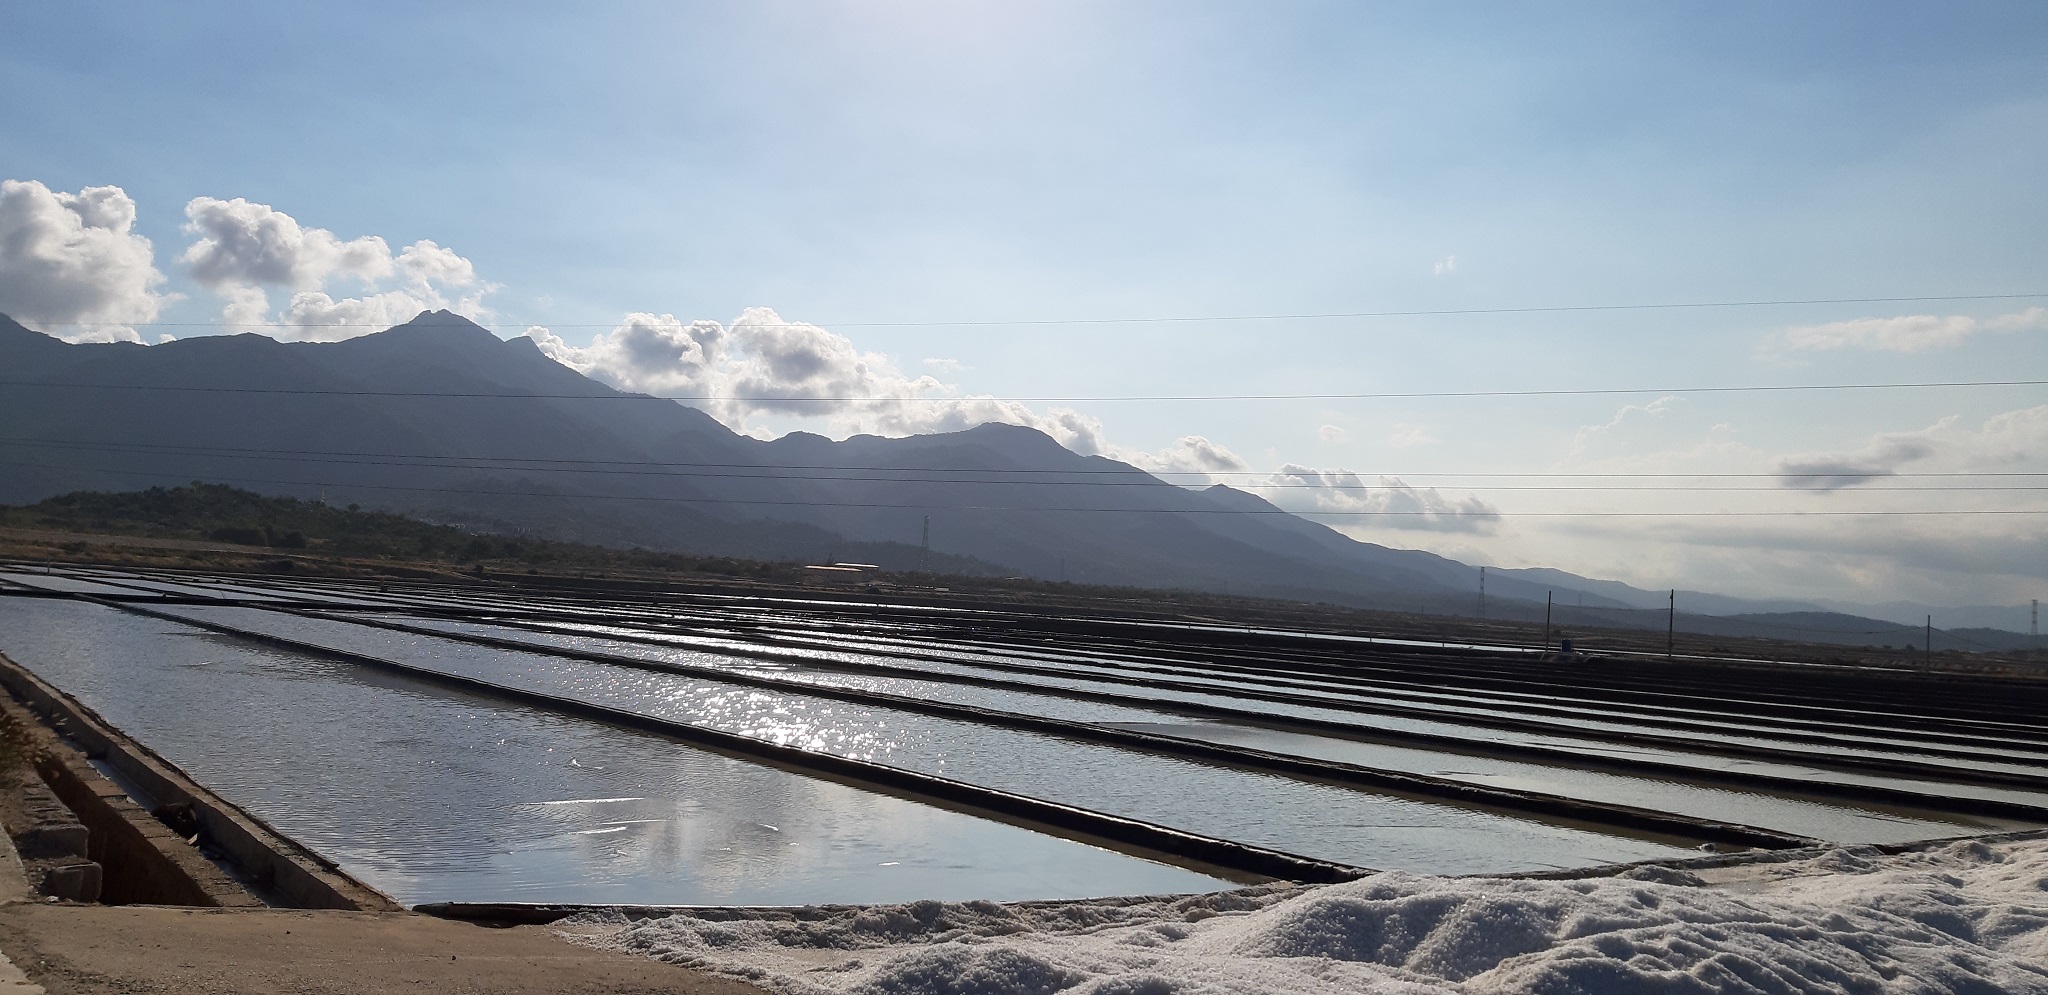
(1238, 861)
(144, 859)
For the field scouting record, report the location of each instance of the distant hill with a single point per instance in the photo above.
(440, 419)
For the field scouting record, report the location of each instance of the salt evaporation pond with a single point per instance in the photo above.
(1808, 817)
(433, 795)
(1315, 820)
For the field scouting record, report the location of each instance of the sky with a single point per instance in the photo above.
(966, 211)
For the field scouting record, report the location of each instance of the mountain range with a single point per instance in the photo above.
(441, 419)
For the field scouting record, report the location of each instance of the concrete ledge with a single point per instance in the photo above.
(144, 861)
(46, 827)
(73, 880)
(13, 877)
(288, 874)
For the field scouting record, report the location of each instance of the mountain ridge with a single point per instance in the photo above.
(540, 447)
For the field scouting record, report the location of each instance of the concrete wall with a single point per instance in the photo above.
(143, 855)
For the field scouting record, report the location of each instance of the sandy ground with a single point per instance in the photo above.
(150, 949)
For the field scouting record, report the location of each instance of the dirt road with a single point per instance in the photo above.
(157, 949)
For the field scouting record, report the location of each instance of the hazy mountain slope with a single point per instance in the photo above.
(2011, 618)
(310, 419)
(368, 420)
(1427, 568)
(1871, 617)
(1050, 512)
(1635, 597)
(537, 447)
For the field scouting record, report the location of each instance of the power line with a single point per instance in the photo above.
(946, 475)
(1379, 395)
(1486, 515)
(1007, 322)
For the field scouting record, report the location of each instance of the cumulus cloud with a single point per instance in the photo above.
(1191, 460)
(1909, 333)
(1387, 502)
(72, 262)
(244, 250)
(1447, 265)
(1331, 433)
(242, 243)
(653, 354)
(763, 364)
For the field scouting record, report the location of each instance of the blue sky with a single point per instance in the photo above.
(847, 164)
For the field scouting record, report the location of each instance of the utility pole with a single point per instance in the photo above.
(1930, 639)
(924, 555)
(1482, 592)
(1546, 621)
(1670, 625)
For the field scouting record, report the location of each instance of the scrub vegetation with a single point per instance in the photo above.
(219, 514)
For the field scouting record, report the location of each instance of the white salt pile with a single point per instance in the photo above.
(1968, 917)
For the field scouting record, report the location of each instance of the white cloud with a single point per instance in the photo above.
(101, 333)
(314, 316)
(764, 365)
(653, 354)
(248, 244)
(1909, 333)
(73, 262)
(425, 263)
(1628, 413)
(1331, 433)
(945, 365)
(1447, 265)
(1190, 460)
(2012, 439)
(1388, 502)
(1405, 436)
(246, 249)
